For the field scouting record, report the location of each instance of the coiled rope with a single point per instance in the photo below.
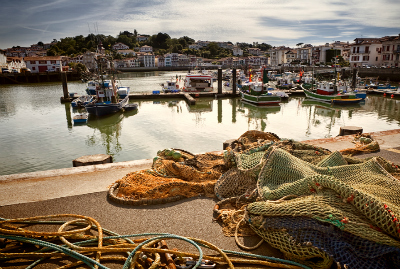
(108, 244)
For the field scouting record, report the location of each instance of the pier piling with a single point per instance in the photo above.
(219, 81)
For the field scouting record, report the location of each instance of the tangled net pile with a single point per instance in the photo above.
(175, 174)
(316, 206)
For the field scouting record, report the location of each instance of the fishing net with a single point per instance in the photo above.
(315, 206)
(364, 143)
(359, 199)
(174, 173)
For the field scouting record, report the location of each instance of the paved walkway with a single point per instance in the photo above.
(83, 190)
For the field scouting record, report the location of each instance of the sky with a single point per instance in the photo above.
(274, 22)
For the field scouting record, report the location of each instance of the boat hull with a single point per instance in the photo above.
(260, 100)
(102, 109)
(328, 98)
(346, 101)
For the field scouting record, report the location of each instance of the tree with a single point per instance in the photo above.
(213, 48)
(40, 43)
(160, 40)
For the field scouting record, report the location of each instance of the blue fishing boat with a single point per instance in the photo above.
(80, 118)
(107, 101)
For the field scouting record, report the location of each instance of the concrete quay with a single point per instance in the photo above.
(83, 190)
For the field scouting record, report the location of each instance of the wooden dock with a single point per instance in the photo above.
(189, 97)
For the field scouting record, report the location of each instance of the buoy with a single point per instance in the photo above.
(384, 94)
(392, 96)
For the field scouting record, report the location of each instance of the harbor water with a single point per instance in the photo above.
(37, 131)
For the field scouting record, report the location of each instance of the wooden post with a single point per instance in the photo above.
(219, 80)
(234, 81)
(350, 130)
(354, 79)
(92, 160)
(64, 84)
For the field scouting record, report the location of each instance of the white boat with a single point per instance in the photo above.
(123, 92)
(81, 101)
(80, 118)
(91, 87)
(170, 87)
(198, 82)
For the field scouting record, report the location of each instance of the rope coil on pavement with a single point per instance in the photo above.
(62, 246)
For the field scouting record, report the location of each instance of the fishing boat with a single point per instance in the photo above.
(198, 82)
(82, 100)
(107, 101)
(170, 87)
(80, 118)
(326, 92)
(256, 93)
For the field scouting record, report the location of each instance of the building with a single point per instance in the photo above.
(146, 59)
(391, 51)
(365, 52)
(120, 46)
(278, 55)
(127, 52)
(16, 63)
(255, 51)
(142, 38)
(304, 54)
(291, 56)
(42, 64)
(89, 60)
(146, 49)
(237, 51)
(3, 59)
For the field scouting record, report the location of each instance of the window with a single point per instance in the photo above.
(53, 62)
(366, 49)
(42, 62)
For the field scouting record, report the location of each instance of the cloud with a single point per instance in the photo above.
(277, 22)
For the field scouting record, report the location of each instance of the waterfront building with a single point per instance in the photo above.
(183, 60)
(3, 59)
(304, 54)
(16, 63)
(365, 52)
(391, 51)
(42, 64)
(278, 55)
(146, 59)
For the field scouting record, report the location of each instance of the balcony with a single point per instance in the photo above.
(362, 52)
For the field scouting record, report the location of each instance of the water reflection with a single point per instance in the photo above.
(257, 115)
(106, 132)
(326, 114)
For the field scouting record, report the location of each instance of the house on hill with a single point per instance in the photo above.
(120, 46)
